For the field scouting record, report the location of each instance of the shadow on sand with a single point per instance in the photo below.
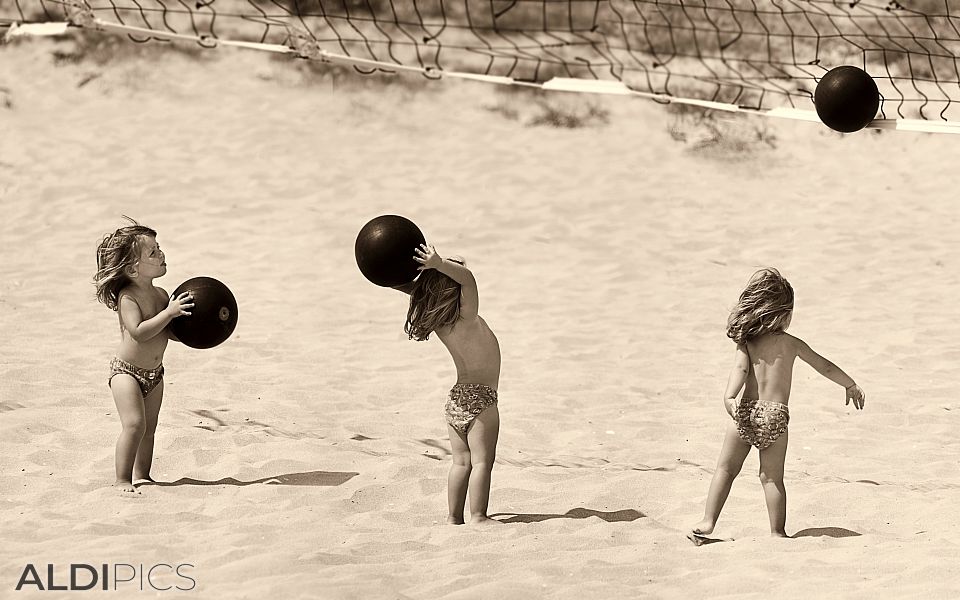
(616, 516)
(700, 539)
(834, 532)
(309, 478)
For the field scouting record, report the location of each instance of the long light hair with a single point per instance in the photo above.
(765, 306)
(116, 252)
(434, 304)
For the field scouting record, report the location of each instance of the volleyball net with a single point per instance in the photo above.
(758, 56)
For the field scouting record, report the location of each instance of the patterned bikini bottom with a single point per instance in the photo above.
(761, 422)
(147, 379)
(467, 400)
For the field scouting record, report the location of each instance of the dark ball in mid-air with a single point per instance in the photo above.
(847, 99)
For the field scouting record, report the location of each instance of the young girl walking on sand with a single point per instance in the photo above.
(444, 299)
(763, 369)
(128, 260)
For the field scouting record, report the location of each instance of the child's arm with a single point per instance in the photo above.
(143, 330)
(469, 295)
(738, 378)
(831, 372)
(170, 334)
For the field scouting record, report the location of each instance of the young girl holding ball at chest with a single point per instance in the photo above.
(128, 260)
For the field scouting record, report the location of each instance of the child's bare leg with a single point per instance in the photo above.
(151, 408)
(771, 477)
(459, 476)
(482, 438)
(732, 455)
(129, 401)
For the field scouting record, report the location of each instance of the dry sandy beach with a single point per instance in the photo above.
(307, 457)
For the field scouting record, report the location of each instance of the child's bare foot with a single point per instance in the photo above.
(484, 520)
(703, 528)
(779, 534)
(145, 480)
(454, 521)
(124, 486)
(699, 532)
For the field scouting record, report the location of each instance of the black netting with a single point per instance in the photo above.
(758, 54)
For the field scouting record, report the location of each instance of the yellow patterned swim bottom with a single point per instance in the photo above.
(147, 379)
(761, 422)
(467, 400)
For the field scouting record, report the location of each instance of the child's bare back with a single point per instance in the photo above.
(771, 359)
(474, 349)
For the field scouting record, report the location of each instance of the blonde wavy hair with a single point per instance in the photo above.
(765, 306)
(434, 303)
(116, 252)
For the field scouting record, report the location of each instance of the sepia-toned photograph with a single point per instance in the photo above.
(479, 299)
